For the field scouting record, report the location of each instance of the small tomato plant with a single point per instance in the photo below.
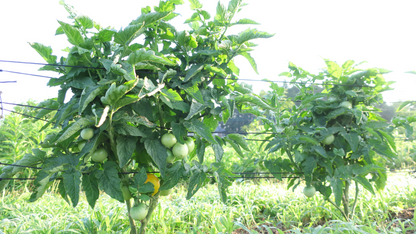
(129, 88)
(332, 138)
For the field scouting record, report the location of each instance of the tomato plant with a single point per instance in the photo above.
(135, 85)
(332, 137)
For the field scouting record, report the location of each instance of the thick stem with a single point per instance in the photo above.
(132, 224)
(346, 200)
(357, 190)
(152, 206)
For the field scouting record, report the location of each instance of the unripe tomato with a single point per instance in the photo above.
(168, 140)
(346, 104)
(328, 140)
(166, 192)
(138, 212)
(99, 155)
(155, 181)
(87, 133)
(180, 151)
(81, 145)
(171, 157)
(309, 191)
(126, 192)
(190, 143)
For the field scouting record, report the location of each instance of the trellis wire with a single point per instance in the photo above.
(2, 82)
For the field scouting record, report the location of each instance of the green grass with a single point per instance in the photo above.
(252, 205)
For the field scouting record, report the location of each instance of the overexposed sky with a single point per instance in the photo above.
(379, 32)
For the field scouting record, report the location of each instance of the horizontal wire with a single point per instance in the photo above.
(5, 82)
(49, 64)
(17, 179)
(14, 165)
(27, 74)
(37, 107)
(25, 115)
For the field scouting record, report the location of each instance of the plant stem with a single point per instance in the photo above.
(339, 208)
(345, 199)
(152, 206)
(132, 224)
(357, 190)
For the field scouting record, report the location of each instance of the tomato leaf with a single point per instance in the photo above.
(74, 36)
(90, 187)
(201, 129)
(158, 153)
(72, 181)
(125, 148)
(109, 181)
(196, 181)
(173, 175)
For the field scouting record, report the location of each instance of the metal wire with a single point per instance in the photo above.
(48, 64)
(25, 115)
(14, 165)
(3, 82)
(27, 74)
(37, 107)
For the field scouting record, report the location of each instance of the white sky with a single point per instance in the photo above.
(380, 32)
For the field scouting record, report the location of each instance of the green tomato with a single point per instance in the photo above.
(180, 151)
(99, 155)
(168, 140)
(328, 140)
(171, 157)
(346, 104)
(190, 143)
(81, 145)
(138, 212)
(87, 133)
(309, 191)
(126, 192)
(166, 192)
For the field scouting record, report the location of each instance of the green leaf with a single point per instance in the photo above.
(404, 104)
(320, 150)
(127, 35)
(171, 94)
(125, 148)
(85, 21)
(109, 181)
(200, 149)
(195, 183)
(195, 69)
(74, 36)
(88, 95)
(142, 55)
(196, 108)
(75, 127)
(124, 128)
(218, 151)
(246, 21)
(158, 153)
(365, 183)
(149, 18)
(195, 4)
(337, 185)
(309, 165)
(45, 52)
(72, 181)
(106, 35)
(274, 167)
(114, 93)
(201, 129)
(179, 131)
(250, 60)
(90, 187)
(235, 146)
(352, 139)
(240, 140)
(195, 93)
(333, 68)
(140, 177)
(309, 139)
(173, 175)
(250, 34)
(142, 120)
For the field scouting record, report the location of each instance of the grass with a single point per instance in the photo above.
(253, 206)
